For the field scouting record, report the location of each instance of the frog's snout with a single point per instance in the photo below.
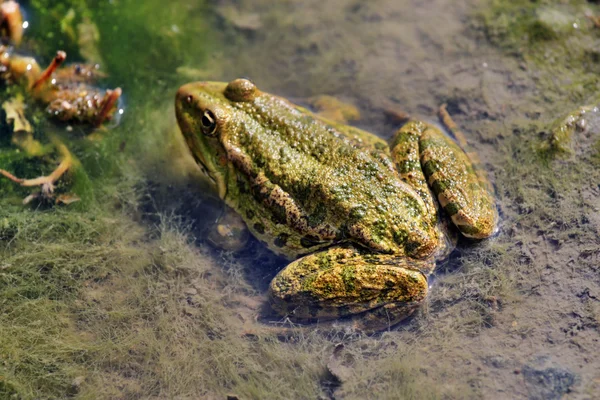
(186, 101)
(185, 94)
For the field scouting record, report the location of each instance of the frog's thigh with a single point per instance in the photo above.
(342, 281)
(462, 192)
(405, 154)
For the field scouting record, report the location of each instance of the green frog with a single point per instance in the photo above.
(356, 217)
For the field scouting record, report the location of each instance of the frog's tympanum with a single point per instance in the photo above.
(356, 217)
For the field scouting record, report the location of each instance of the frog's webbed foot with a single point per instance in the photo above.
(46, 183)
(377, 290)
(229, 231)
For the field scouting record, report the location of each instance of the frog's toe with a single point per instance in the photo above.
(478, 224)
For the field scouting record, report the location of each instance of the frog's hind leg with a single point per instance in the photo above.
(460, 188)
(460, 137)
(377, 290)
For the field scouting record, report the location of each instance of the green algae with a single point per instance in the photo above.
(555, 38)
(557, 43)
(89, 299)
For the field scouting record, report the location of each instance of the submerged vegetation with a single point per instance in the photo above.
(103, 298)
(96, 305)
(115, 297)
(558, 43)
(558, 39)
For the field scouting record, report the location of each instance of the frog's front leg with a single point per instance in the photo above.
(428, 160)
(344, 281)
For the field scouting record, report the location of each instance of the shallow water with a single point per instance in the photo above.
(120, 297)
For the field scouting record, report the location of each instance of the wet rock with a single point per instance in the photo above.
(547, 384)
(580, 126)
(230, 232)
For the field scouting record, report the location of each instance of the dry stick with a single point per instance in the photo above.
(449, 123)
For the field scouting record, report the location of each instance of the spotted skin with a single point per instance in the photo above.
(357, 219)
(445, 169)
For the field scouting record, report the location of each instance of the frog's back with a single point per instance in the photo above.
(317, 183)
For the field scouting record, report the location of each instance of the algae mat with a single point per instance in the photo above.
(118, 296)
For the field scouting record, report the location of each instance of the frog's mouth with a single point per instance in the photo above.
(204, 170)
(204, 148)
(202, 154)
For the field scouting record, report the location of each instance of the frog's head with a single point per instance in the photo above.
(205, 116)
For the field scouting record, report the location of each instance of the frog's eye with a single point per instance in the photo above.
(209, 123)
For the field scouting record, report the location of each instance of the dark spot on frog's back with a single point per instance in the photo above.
(279, 214)
(317, 216)
(259, 161)
(400, 237)
(243, 185)
(250, 214)
(411, 246)
(452, 208)
(281, 239)
(357, 213)
(430, 167)
(303, 189)
(411, 204)
(440, 186)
